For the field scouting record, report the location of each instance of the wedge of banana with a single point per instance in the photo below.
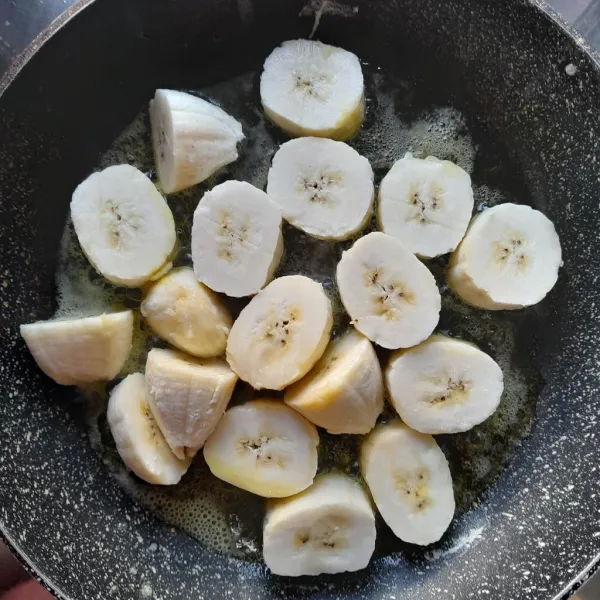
(343, 393)
(187, 397)
(390, 295)
(426, 204)
(329, 528)
(191, 137)
(139, 441)
(264, 447)
(74, 351)
(310, 88)
(124, 225)
(410, 482)
(281, 334)
(323, 187)
(444, 385)
(509, 259)
(236, 239)
(185, 313)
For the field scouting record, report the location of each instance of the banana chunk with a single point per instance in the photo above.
(329, 528)
(74, 351)
(191, 137)
(281, 334)
(444, 385)
(343, 393)
(187, 397)
(410, 482)
(426, 204)
(236, 239)
(323, 187)
(509, 259)
(139, 441)
(310, 88)
(390, 295)
(265, 448)
(124, 226)
(185, 313)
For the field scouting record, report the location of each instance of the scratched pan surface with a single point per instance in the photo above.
(501, 88)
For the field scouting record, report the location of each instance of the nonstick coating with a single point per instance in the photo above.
(536, 531)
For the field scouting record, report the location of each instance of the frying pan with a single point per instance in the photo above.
(530, 92)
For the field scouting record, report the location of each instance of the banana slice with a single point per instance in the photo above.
(310, 88)
(236, 239)
(139, 441)
(329, 528)
(192, 139)
(509, 259)
(124, 225)
(264, 447)
(184, 312)
(281, 334)
(390, 295)
(344, 391)
(410, 482)
(426, 204)
(323, 187)
(74, 351)
(187, 397)
(444, 385)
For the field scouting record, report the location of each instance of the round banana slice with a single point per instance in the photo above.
(185, 313)
(191, 137)
(310, 88)
(329, 528)
(236, 239)
(390, 295)
(410, 482)
(74, 351)
(187, 396)
(281, 334)
(426, 204)
(343, 393)
(264, 447)
(509, 259)
(323, 187)
(139, 441)
(444, 385)
(124, 225)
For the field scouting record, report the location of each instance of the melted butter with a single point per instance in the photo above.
(217, 514)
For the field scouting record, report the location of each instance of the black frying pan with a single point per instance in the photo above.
(528, 529)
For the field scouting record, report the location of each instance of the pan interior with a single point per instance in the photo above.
(406, 112)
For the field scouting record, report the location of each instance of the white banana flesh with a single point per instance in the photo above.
(192, 139)
(236, 239)
(124, 226)
(187, 314)
(444, 385)
(310, 88)
(187, 397)
(391, 297)
(265, 448)
(410, 482)
(75, 351)
(343, 393)
(281, 334)
(509, 259)
(426, 204)
(139, 441)
(329, 528)
(325, 188)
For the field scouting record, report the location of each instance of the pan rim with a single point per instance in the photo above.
(20, 62)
